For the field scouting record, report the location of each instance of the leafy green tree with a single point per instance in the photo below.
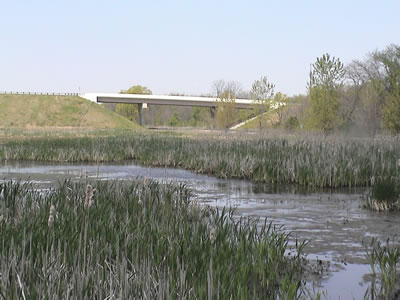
(195, 116)
(326, 79)
(262, 93)
(279, 105)
(389, 61)
(292, 123)
(225, 110)
(130, 111)
(174, 120)
(137, 89)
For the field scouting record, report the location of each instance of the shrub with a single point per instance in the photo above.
(384, 196)
(292, 123)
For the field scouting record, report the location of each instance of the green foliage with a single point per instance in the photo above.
(226, 110)
(391, 114)
(130, 111)
(262, 92)
(195, 116)
(173, 120)
(326, 78)
(137, 240)
(383, 260)
(137, 89)
(292, 123)
(385, 191)
(385, 196)
(389, 61)
(279, 105)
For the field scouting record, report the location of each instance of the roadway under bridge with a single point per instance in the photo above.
(143, 100)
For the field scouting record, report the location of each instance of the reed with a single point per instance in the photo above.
(384, 260)
(314, 161)
(139, 240)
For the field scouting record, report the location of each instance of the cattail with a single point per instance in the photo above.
(89, 196)
(212, 234)
(398, 162)
(51, 216)
(372, 180)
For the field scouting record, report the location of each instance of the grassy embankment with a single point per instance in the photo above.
(313, 161)
(267, 120)
(141, 240)
(40, 112)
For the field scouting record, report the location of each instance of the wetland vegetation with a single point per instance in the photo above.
(316, 160)
(142, 239)
(383, 259)
(384, 196)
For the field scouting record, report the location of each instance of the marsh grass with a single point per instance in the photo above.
(315, 161)
(141, 240)
(384, 260)
(384, 196)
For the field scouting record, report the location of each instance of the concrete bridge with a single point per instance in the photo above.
(143, 100)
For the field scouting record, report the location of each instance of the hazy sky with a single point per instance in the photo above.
(183, 46)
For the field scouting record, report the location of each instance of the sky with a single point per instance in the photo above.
(183, 46)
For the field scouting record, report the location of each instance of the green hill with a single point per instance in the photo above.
(32, 111)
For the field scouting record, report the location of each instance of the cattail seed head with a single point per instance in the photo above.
(372, 180)
(212, 234)
(89, 196)
(51, 216)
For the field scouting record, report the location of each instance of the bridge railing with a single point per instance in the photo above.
(38, 93)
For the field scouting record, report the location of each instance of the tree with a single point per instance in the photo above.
(130, 111)
(389, 66)
(279, 105)
(218, 87)
(174, 120)
(262, 92)
(226, 108)
(326, 79)
(375, 90)
(137, 89)
(363, 97)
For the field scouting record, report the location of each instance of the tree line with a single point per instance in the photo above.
(363, 95)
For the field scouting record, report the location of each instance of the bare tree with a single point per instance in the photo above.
(233, 88)
(218, 87)
(364, 95)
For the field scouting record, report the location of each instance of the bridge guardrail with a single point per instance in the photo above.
(38, 93)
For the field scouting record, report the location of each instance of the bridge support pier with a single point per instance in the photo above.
(140, 110)
(212, 112)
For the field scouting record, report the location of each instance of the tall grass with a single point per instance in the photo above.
(384, 196)
(142, 240)
(384, 261)
(320, 162)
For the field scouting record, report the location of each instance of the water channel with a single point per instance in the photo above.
(332, 221)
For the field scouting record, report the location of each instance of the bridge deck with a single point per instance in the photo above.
(162, 100)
